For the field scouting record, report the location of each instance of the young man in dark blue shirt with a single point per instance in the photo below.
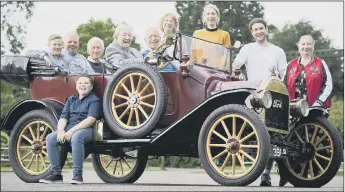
(75, 126)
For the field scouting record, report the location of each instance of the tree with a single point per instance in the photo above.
(234, 17)
(13, 29)
(102, 29)
(290, 35)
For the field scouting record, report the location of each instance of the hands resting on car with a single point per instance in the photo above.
(318, 103)
(48, 61)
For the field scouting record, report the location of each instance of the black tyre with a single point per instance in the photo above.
(120, 168)
(317, 156)
(27, 150)
(233, 133)
(134, 100)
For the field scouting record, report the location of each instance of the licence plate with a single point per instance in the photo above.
(278, 151)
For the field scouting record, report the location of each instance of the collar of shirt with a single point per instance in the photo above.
(69, 53)
(76, 96)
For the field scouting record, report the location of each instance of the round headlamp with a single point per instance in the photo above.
(304, 107)
(263, 100)
(266, 98)
(301, 107)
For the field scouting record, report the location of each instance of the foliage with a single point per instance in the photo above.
(234, 17)
(97, 28)
(176, 162)
(337, 114)
(11, 95)
(14, 30)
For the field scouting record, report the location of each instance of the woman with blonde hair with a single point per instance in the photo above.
(201, 49)
(169, 25)
(211, 19)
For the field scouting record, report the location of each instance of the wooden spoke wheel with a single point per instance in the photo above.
(134, 100)
(27, 149)
(234, 145)
(31, 147)
(125, 167)
(239, 149)
(317, 153)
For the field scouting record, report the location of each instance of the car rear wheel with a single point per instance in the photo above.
(317, 156)
(123, 167)
(27, 150)
(134, 100)
(234, 145)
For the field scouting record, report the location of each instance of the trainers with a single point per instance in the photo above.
(265, 180)
(52, 179)
(77, 179)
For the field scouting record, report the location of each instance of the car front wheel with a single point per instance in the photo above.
(234, 145)
(317, 153)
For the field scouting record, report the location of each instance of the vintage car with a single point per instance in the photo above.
(199, 109)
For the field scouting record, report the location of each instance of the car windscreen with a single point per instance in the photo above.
(207, 53)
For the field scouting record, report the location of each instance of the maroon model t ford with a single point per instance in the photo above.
(197, 110)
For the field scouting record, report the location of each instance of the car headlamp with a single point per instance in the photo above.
(300, 107)
(262, 100)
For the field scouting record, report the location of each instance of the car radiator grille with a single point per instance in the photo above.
(277, 117)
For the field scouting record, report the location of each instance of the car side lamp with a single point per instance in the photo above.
(299, 107)
(155, 56)
(262, 100)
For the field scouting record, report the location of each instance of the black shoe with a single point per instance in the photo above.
(77, 179)
(282, 182)
(265, 180)
(52, 179)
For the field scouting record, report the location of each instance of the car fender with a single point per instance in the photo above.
(25, 106)
(187, 127)
(318, 111)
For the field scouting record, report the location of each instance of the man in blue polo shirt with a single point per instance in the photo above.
(153, 39)
(75, 126)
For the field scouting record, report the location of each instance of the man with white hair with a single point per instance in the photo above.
(95, 48)
(153, 39)
(119, 52)
(75, 63)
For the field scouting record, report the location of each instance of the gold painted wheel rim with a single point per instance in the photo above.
(133, 100)
(31, 148)
(240, 141)
(119, 167)
(320, 139)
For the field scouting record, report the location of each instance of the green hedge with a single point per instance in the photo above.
(337, 115)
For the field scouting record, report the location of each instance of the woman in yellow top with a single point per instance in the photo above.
(210, 18)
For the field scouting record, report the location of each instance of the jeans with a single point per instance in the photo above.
(79, 138)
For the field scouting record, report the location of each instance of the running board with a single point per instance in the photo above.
(126, 141)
